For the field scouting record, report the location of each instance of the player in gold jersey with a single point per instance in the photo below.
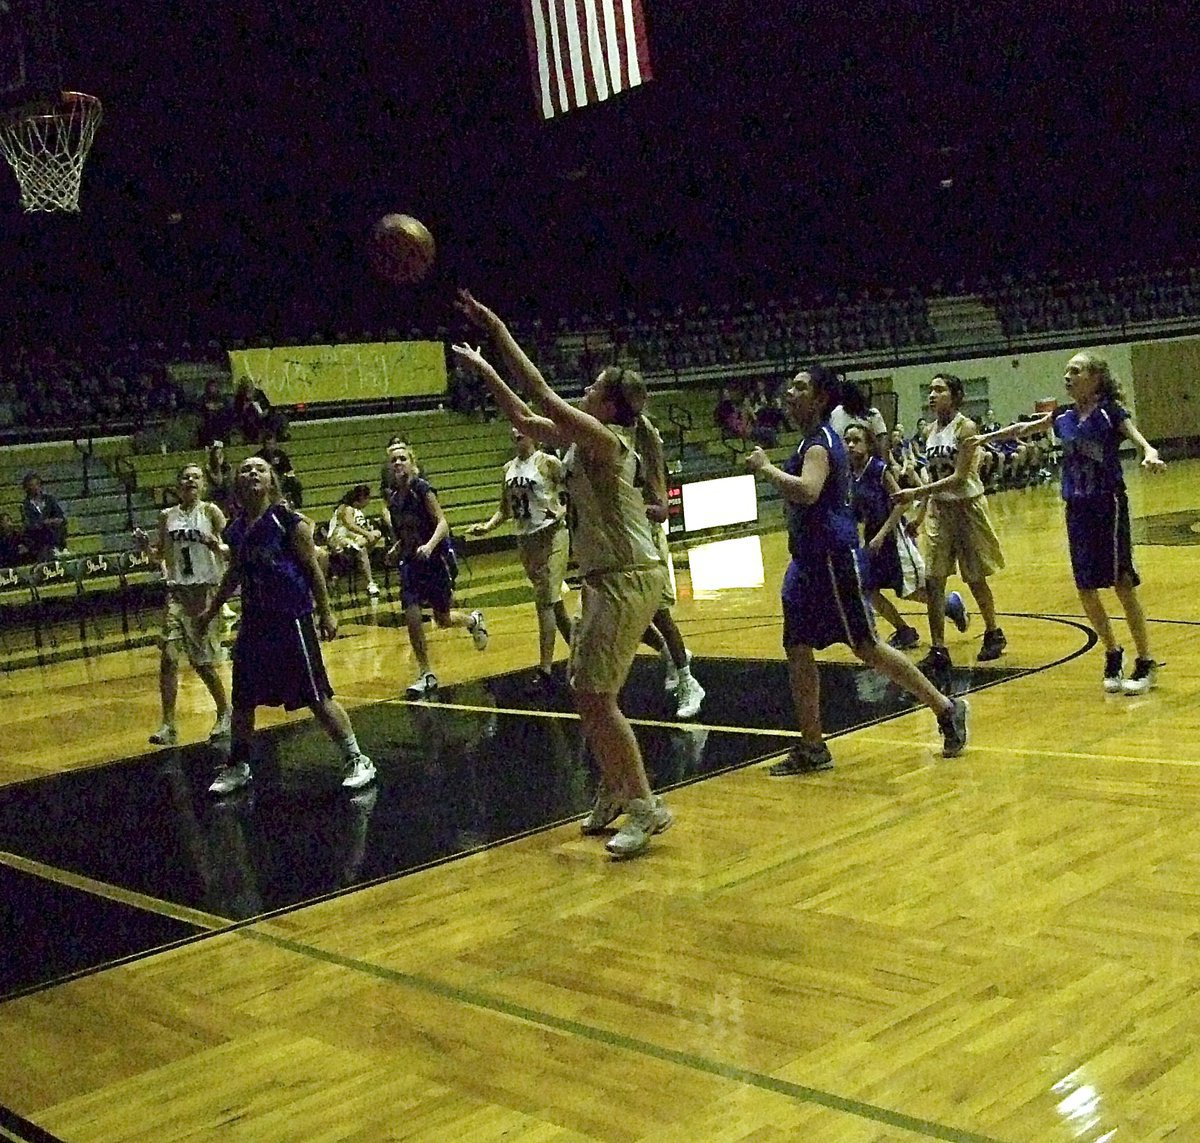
(622, 572)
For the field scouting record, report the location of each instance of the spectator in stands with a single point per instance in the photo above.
(251, 412)
(218, 475)
(13, 548)
(281, 463)
(768, 416)
(905, 467)
(216, 414)
(991, 457)
(45, 522)
(728, 417)
(351, 537)
(466, 394)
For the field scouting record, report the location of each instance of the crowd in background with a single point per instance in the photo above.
(56, 387)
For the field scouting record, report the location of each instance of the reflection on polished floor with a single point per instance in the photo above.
(483, 763)
(1005, 946)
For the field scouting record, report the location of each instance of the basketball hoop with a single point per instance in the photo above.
(46, 143)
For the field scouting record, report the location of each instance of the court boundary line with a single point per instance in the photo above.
(744, 1076)
(17, 1128)
(234, 926)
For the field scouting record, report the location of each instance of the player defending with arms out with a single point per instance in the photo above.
(532, 496)
(277, 657)
(822, 593)
(890, 557)
(623, 576)
(189, 546)
(427, 563)
(1093, 489)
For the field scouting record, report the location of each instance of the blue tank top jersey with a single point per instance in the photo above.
(412, 522)
(827, 524)
(869, 498)
(1091, 465)
(273, 580)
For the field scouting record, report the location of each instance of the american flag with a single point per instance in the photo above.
(583, 51)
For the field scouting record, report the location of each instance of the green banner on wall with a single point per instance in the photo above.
(302, 374)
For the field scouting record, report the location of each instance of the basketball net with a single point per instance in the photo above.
(46, 145)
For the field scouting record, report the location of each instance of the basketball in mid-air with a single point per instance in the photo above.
(401, 248)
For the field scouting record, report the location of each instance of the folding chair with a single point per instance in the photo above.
(141, 580)
(18, 609)
(55, 596)
(100, 588)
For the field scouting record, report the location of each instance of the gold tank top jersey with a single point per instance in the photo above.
(606, 512)
(188, 557)
(941, 454)
(532, 491)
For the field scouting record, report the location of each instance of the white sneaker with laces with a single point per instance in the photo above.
(230, 778)
(605, 810)
(165, 735)
(645, 818)
(689, 697)
(672, 680)
(424, 686)
(223, 727)
(360, 771)
(479, 631)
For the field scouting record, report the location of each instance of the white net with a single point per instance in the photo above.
(46, 147)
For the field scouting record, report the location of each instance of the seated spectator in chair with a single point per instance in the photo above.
(45, 522)
(279, 460)
(13, 548)
(908, 471)
(350, 536)
(728, 417)
(251, 412)
(218, 476)
(216, 414)
(768, 417)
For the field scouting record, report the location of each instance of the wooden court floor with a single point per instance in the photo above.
(1005, 946)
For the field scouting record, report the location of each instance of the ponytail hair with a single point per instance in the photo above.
(829, 383)
(854, 401)
(648, 443)
(627, 391)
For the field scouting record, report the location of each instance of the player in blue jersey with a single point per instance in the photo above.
(890, 556)
(822, 589)
(277, 657)
(1097, 508)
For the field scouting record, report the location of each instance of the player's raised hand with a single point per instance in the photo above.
(475, 311)
(469, 355)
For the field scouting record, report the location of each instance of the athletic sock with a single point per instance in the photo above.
(350, 745)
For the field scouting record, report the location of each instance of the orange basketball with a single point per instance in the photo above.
(402, 249)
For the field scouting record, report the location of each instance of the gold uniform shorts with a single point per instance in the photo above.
(181, 632)
(544, 557)
(960, 532)
(615, 609)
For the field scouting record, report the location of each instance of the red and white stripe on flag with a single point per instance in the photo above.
(584, 51)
